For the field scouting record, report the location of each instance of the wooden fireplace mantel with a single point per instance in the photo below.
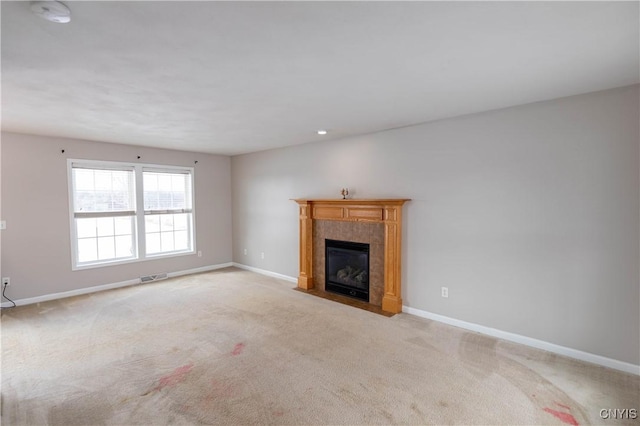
(386, 211)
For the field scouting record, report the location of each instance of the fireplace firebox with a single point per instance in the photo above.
(347, 268)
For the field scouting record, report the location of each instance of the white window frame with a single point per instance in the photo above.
(139, 231)
(146, 212)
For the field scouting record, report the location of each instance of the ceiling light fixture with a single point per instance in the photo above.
(51, 10)
(322, 132)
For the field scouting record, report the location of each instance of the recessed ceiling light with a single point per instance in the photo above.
(322, 132)
(52, 10)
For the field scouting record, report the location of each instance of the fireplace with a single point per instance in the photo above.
(378, 222)
(347, 268)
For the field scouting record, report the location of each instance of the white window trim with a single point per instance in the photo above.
(139, 236)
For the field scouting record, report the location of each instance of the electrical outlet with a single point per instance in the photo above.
(6, 281)
(262, 255)
(199, 253)
(445, 291)
(245, 252)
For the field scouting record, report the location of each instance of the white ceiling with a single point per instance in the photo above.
(237, 77)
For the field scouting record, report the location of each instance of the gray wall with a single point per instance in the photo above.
(36, 248)
(530, 215)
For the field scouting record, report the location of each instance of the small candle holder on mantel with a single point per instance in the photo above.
(345, 193)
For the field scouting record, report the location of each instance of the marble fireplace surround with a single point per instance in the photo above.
(376, 222)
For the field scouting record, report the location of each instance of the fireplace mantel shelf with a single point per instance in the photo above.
(354, 209)
(386, 211)
(354, 200)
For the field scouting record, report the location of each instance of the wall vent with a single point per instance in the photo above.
(155, 277)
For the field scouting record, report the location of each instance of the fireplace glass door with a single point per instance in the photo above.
(347, 268)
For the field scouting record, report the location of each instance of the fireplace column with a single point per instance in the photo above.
(392, 299)
(305, 280)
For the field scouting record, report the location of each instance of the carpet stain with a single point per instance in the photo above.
(388, 416)
(222, 389)
(237, 350)
(178, 375)
(546, 394)
(416, 409)
(565, 417)
(218, 391)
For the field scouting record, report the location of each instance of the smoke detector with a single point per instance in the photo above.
(51, 10)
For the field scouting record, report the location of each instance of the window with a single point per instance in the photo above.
(104, 214)
(108, 227)
(167, 210)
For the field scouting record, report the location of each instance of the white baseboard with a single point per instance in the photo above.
(528, 341)
(265, 272)
(94, 289)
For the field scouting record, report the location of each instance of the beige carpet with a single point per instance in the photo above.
(234, 347)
